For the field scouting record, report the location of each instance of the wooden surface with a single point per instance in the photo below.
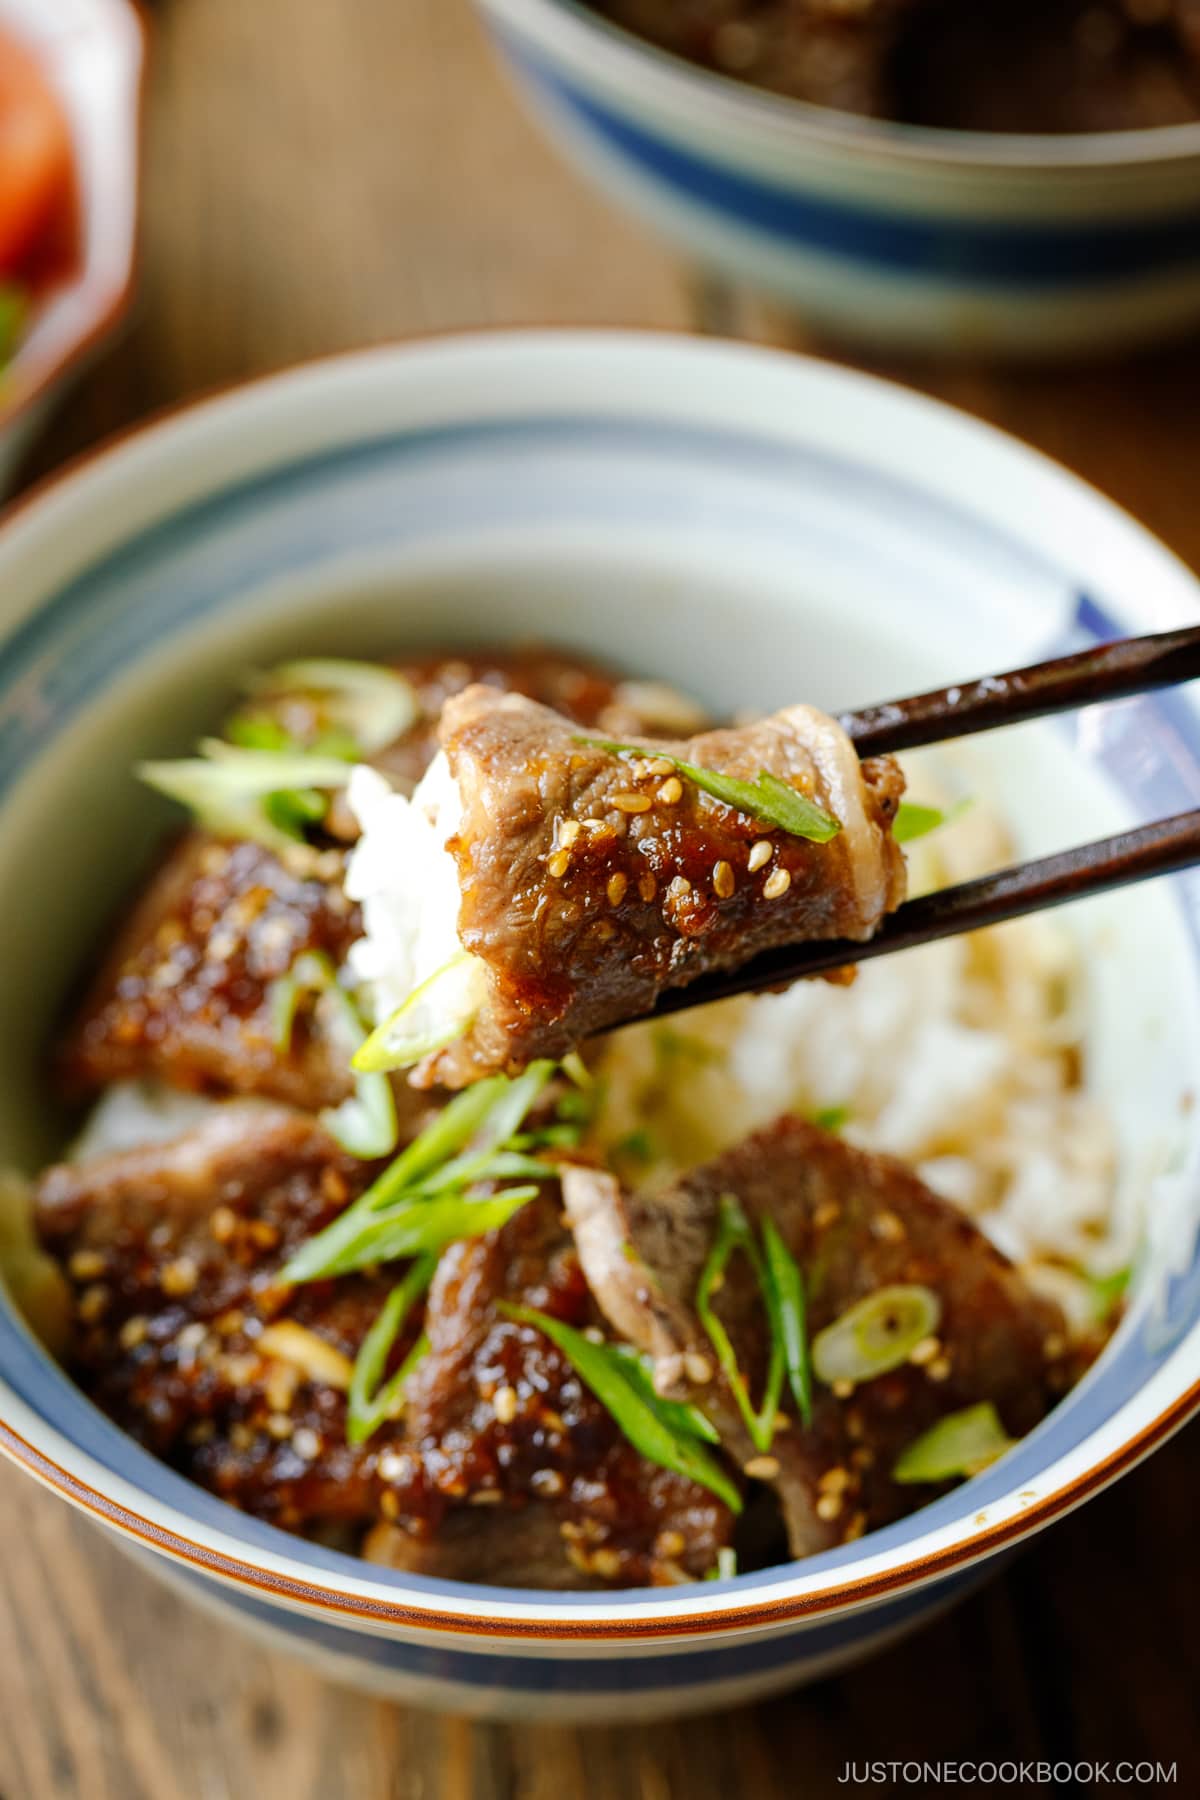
(324, 175)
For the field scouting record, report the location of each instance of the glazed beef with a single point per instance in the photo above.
(591, 882)
(512, 1471)
(186, 992)
(854, 1223)
(173, 1254)
(580, 690)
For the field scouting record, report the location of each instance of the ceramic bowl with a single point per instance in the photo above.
(936, 241)
(94, 53)
(757, 527)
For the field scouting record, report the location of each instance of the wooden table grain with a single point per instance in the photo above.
(321, 176)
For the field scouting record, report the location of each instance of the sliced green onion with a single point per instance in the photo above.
(418, 1227)
(365, 1122)
(577, 1071)
(384, 1223)
(1107, 1293)
(726, 1565)
(766, 798)
(227, 789)
(680, 1414)
(427, 1021)
(372, 702)
(640, 1419)
(913, 821)
(733, 1234)
(962, 1443)
(831, 1118)
(876, 1334)
(369, 1402)
(785, 1287)
(259, 731)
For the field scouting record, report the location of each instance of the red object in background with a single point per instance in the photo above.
(35, 157)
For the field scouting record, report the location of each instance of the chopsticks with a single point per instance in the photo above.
(1114, 671)
(1110, 672)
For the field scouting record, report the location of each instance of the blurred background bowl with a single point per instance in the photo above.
(92, 55)
(885, 235)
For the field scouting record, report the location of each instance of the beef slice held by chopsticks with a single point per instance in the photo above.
(546, 884)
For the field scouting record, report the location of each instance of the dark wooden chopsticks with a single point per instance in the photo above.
(1111, 672)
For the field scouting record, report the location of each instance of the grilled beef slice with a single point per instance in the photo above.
(592, 882)
(854, 1223)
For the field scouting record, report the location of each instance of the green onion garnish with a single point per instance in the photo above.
(371, 1403)
(961, 1444)
(680, 1414)
(877, 1334)
(831, 1118)
(726, 1565)
(642, 1419)
(766, 798)
(733, 1234)
(1107, 1292)
(914, 821)
(785, 1303)
(436, 1014)
(266, 795)
(369, 701)
(365, 1122)
(422, 1201)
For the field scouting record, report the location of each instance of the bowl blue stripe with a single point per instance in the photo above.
(962, 247)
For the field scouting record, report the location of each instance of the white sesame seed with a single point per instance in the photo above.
(615, 890)
(647, 887)
(546, 1481)
(306, 1443)
(697, 1368)
(558, 864)
(828, 1507)
(504, 1404)
(394, 1466)
(925, 1351)
(761, 1468)
(723, 881)
(85, 1265)
(778, 882)
(568, 831)
(133, 1332)
(760, 853)
(671, 791)
(627, 802)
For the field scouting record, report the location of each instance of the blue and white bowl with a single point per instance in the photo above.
(759, 528)
(892, 235)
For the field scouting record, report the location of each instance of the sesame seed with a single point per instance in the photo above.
(616, 888)
(632, 803)
(279, 1425)
(697, 1368)
(504, 1404)
(93, 1302)
(924, 1352)
(393, 1466)
(778, 882)
(606, 1563)
(647, 887)
(671, 791)
(889, 1227)
(760, 853)
(547, 1482)
(723, 882)
(842, 1388)
(670, 1543)
(593, 1334)
(306, 1443)
(241, 1435)
(485, 1497)
(761, 1468)
(568, 831)
(828, 1507)
(191, 1337)
(178, 1277)
(660, 765)
(939, 1370)
(834, 1481)
(223, 1223)
(559, 863)
(85, 1265)
(679, 887)
(133, 1332)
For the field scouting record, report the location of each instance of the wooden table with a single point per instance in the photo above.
(321, 176)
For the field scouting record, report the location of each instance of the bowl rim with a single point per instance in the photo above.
(569, 28)
(31, 523)
(28, 380)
